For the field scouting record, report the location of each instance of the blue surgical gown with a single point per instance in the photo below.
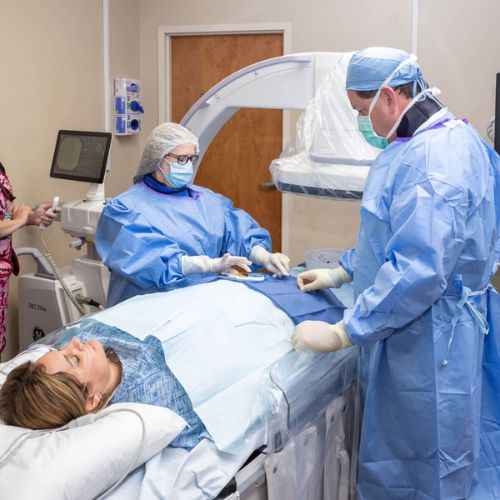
(143, 234)
(424, 257)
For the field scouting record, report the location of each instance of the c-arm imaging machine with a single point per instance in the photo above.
(329, 157)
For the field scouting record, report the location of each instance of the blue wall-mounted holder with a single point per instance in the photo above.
(128, 106)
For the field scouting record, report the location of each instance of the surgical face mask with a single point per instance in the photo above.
(366, 128)
(365, 124)
(179, 175)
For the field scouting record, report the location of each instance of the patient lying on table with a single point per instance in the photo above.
(97, 362)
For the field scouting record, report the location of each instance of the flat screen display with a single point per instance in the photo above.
(497, 116)
(81, 156)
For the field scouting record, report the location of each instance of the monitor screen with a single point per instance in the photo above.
(497, 116)
(81, 156)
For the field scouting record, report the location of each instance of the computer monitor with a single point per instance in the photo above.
(497, 116)
(81, 156)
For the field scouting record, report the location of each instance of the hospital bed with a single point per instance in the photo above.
(281, 421)
(308, 453)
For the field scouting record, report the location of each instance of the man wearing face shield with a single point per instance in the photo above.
(164, 232)
(427, 248)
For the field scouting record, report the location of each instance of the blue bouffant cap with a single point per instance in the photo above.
(369, 68)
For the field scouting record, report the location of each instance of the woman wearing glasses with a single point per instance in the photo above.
(164, 232)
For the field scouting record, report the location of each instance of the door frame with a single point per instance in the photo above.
(166, 33)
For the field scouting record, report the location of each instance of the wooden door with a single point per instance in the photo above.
(237, 161)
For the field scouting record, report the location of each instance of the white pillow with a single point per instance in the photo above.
(89, 457)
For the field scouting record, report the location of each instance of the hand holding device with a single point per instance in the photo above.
(52, 209)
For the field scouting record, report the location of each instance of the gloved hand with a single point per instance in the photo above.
(202, 264)
(227, 263)
(320, 336)
(277, 263)
(316, 279)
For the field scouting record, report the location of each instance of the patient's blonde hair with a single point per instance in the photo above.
(32, 398)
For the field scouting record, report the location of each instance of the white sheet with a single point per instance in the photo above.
(175, 473)
(203, 472)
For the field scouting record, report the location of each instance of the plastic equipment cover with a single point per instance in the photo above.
(313, 440)
(329, 157)
(318, 463)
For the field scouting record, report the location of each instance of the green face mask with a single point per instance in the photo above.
(366, 128)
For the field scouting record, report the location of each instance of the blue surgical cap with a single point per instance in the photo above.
(369, 68)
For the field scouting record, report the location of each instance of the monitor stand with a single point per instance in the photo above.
(95, 192)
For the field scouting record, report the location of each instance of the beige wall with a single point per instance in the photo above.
(124, 62)
(459, 44)
(52, 78)
(51, 69)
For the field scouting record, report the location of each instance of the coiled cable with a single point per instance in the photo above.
(59, 276)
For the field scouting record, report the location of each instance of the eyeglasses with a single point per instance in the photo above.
(183, 159)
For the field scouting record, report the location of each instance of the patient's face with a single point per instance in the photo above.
(85, 360)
